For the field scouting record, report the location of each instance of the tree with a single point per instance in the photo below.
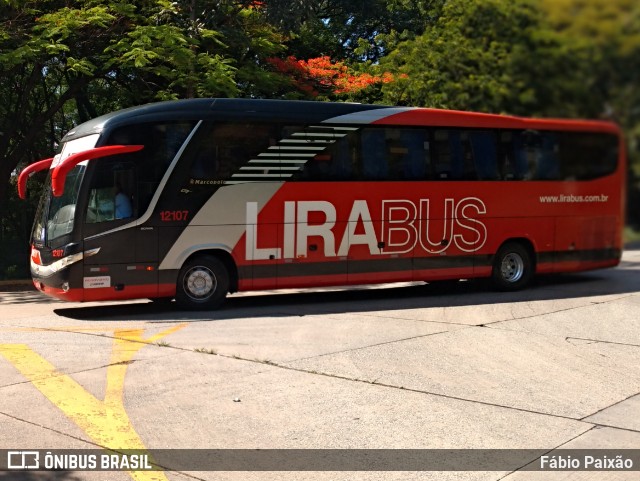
(605, 35)
(345, 30)
(61, 65)
(323, 79)
(492, 56)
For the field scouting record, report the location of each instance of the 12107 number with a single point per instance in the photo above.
(174, 215)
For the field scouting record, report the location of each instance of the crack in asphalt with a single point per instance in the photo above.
(67, 374)
(96, 368)
(420, 391)
(89, 442)
(407, 389)
(610, 406)
(566, 309)
(47, 428)
(549, 451)
(599, 341)
(353, 349)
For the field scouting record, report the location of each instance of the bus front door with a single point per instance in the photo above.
(124, 266)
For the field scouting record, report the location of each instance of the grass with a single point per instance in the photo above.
(202, 350)
(630, 235)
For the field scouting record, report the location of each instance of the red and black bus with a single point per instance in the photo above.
(195, 199)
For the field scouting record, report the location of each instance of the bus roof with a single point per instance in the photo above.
(229, 109)
(317, 112)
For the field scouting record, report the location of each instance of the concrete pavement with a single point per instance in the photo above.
(411, 366)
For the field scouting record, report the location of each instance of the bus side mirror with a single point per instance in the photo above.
(27, 172)
(59, 174)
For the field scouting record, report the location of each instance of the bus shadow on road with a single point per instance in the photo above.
(371, 298)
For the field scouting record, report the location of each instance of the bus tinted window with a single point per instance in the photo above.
(483, 149)
(336, 158)
(375, 158)
(394, 154)
(413, 153)
(225, 149)
(262, 151)
(465, 154)
(537, 155)
(122, 186)
(534, 155)
(587, 156)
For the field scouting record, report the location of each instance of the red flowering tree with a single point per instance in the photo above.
(322, 77)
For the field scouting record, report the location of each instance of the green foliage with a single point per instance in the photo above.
(495, 56)
(64, 62)
(351, 30)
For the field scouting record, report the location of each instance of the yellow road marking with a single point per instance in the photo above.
(105, 422)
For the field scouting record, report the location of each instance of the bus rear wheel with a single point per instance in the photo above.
(512, 267)
(202, 284)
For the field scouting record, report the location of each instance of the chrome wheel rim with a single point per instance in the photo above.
(512, 267)
(200, 283)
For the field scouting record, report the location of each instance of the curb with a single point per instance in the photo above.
(13, 285)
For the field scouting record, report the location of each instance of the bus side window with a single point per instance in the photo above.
(405, 154)
(442, 155)
(507, 156)
(396, 153)
(342, 159)
(537, 154)
(223, 149)
(548, 166)
(205, 163)
(111, 191)
(161, 141)
(526, 155)
(319, 167)
(457, 155)
(417, 157)
(374, 154)
(483, 148)
(520, 157)
(333, 163)
(587, 156)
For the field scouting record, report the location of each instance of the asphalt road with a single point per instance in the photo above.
(387, 367)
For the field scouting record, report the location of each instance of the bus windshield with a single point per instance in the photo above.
(55, 215)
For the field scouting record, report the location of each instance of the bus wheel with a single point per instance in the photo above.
(512, 267)
(203, 283)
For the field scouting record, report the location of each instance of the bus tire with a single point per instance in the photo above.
(512, 267)
(203, 283)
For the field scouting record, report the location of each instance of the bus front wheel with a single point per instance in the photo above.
(512, 267)
(202, 284)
